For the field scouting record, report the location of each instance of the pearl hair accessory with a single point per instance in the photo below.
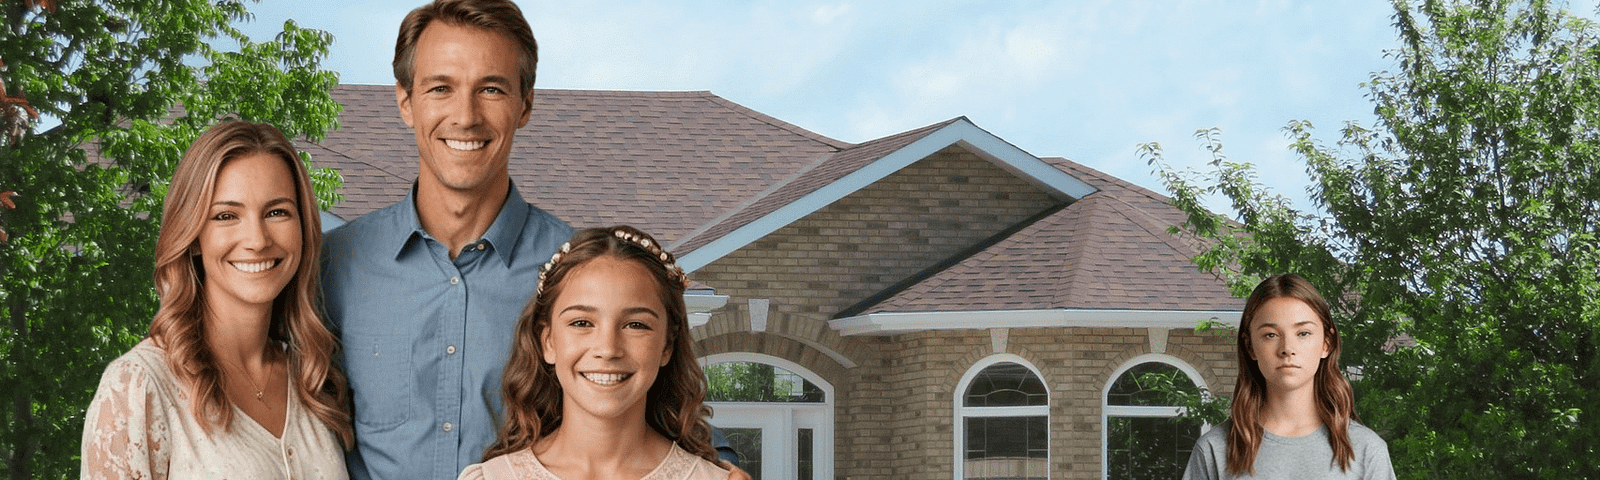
(673, 270)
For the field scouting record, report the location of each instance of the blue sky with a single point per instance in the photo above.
(1086, 80)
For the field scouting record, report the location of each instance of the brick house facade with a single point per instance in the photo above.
(890, 275)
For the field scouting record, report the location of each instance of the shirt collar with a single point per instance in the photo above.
(502, 235)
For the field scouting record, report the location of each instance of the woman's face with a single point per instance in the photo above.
(607, 338)
(1287, 343)
(250, 242)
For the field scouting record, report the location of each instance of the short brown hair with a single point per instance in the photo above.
(499, 16)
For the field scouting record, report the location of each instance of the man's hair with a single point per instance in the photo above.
(499, 16)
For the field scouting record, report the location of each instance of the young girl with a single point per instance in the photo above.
(602, 381)
(236, 379)
(1293, 414)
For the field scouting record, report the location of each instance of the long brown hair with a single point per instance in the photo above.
(675, 406)
(1335, 401)
(179, 325)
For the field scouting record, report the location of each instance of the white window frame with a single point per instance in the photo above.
(962, 412)
(1107, 410)
(819, 414)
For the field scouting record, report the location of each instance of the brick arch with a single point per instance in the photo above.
(1207, 369)
(776, 346)
(977, 353)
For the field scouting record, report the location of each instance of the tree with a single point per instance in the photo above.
(1467, 219)
(131, 85)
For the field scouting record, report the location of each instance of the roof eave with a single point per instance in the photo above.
(893, 323)
(962, 132)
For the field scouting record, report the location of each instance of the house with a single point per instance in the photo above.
(928, 305)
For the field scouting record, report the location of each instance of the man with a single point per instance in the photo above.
(425, 292)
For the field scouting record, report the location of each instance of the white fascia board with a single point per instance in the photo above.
(700, 306)
(962, 131)
(896, 323)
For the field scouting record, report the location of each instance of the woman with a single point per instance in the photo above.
(602, 358)
(1293, 413)
(235, 378)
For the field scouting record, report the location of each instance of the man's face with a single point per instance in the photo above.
(465, 105)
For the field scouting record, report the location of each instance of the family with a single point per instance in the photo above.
(462, 333)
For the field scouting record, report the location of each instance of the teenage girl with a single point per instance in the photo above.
(1293, 413)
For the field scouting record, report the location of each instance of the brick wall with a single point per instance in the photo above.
(893, 410)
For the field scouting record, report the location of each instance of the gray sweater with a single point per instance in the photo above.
(1308, 457)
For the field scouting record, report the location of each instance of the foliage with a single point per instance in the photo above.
(1469, 220)
(1176, 389)
(77, 266)
(756, 382)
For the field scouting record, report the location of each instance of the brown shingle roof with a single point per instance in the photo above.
(667, 162)
(691, 167)
(1110, 250)
(810, 178)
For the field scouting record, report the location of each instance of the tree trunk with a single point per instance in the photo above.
(21, 455)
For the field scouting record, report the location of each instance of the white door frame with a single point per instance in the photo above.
(780, 422)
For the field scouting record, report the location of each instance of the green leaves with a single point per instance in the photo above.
(131, 85)
(1467, 219)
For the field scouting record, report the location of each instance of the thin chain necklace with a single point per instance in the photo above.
(260, 392)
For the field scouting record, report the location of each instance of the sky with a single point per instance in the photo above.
(1088, 80)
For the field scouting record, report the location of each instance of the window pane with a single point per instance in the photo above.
(805, 454)
(1143, 447)
(1128, 391)
(1006, 447)
(1006, 384)
(757, 382)
(746, 441)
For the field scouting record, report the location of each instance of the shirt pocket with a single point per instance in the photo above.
(380, 379)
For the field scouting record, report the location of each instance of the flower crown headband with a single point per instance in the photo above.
(674, 272)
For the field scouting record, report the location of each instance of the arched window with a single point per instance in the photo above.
(775, 413)
(1144, 438)
(1002, 421)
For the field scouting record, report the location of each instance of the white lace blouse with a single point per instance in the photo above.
(140, 426)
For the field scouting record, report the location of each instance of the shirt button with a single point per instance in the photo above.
(450, 350)
(482, 246)
(448, 426)
(455, 280)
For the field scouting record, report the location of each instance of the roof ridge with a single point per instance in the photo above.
(770, 120)
(1152, 225)
(1108, 178)
(352, 158)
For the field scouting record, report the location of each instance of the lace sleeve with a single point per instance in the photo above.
(125, 433)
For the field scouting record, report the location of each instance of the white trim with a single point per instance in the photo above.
(959, 427)
(759, 307)
(1107, 411)
(896, 323)
(700, 306)
(962, 131)
(818, 414)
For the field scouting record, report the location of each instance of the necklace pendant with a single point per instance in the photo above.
(259, 394)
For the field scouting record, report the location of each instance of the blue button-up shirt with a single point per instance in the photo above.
(426, 338)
